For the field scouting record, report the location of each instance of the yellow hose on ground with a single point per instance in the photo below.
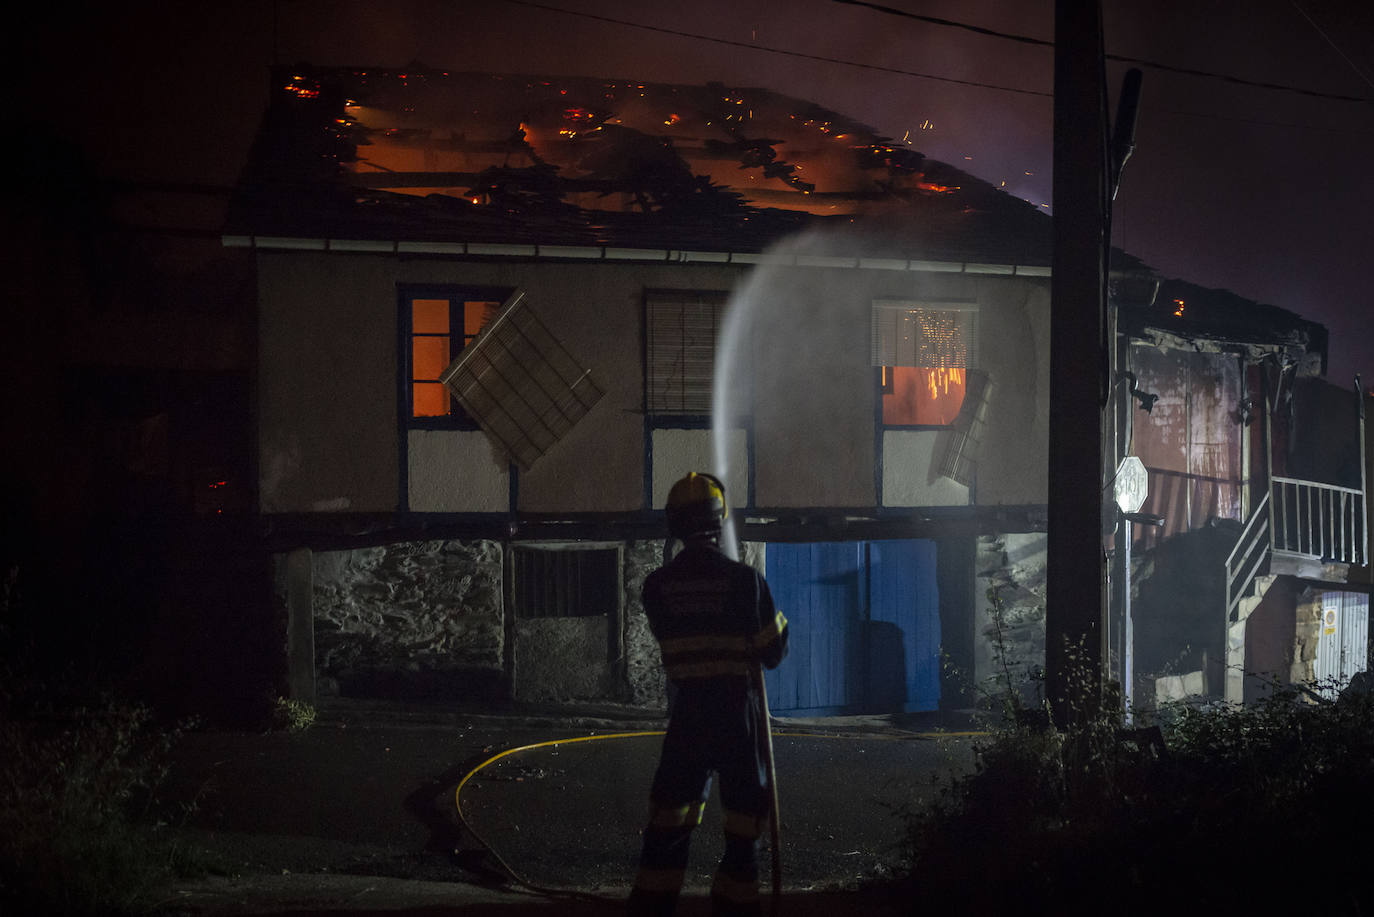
(517, 879)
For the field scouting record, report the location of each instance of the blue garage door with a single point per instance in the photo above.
(865, 627)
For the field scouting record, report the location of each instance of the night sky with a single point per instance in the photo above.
(1263, 191)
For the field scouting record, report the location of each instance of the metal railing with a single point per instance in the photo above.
(1319, 520)
(1248, 556)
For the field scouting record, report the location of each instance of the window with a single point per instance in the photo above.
(681, 328)
(566, 583)
(441, 323)
(923, 352)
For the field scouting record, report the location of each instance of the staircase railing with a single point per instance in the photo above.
(1248, 556)
(1320, 520)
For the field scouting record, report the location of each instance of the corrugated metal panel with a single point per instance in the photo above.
(1343, 642)
(818, 587)
(1190, 441)
(904, 627)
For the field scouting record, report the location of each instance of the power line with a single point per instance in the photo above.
(782, 51)
(1143, 62)
(928, 76)
(1327, 38)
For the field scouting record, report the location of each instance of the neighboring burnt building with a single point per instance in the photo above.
(492, 313)
(1254, 474)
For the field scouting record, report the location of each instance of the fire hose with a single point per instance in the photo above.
(566, 892)
(516, 878)
(774, 829)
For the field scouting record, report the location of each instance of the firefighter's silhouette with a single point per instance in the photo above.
(715, 624)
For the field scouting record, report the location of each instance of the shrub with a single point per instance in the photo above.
(1223, 807)
(74, 779)
(292, 715)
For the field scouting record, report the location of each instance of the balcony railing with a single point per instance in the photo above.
(1321, 521)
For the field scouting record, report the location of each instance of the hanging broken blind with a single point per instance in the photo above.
(931, 335)
(960, 458)
(681, 329)
(520, 384)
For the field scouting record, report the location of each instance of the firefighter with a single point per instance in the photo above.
(715, 623)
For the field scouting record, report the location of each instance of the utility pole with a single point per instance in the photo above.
(1074, 631)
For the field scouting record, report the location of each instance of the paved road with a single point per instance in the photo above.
(374, 796)
(570, 814)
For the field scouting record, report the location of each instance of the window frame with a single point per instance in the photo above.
(743, 418)
(880, 387)
(602, 559)
(683, 418)
(457, 295)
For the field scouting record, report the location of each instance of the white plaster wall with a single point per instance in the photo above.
(326, 384)
(456, 471)
(1014, 347)
(910, 471)
(677, 452)
(328, 388)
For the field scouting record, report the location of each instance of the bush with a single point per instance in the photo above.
(74, 780)
(1258, 809)
(291, 715)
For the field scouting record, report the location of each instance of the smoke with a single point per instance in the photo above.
(792, 369)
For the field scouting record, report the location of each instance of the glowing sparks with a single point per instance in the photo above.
(1179, 310)
(938, 381)
(302, 88)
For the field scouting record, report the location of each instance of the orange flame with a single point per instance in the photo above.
(938, 381)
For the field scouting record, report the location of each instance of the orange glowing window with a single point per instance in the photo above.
(439, 330)
(922, 395)
(923, 352)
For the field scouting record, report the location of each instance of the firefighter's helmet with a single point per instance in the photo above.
(696, 506)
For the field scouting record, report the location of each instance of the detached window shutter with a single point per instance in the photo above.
(681, 332)
(520, 384)
(960, 458)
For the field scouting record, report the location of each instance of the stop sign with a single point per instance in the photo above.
(1132, 484)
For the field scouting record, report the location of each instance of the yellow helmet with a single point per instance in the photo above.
(696, 505)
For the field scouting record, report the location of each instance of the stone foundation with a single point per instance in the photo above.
(1014, 566)
(413, 619)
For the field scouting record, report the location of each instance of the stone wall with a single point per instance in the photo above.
(645, 683)
(1305, 638)
(413, 619)
(564, 660)
(1014, 566)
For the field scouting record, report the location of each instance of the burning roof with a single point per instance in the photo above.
(426, 154)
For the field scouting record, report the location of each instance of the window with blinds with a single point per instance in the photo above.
(924, 352)
(520, 384)
(681, 329)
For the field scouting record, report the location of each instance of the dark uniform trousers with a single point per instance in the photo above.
(715, 623)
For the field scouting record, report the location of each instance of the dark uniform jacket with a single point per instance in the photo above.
(714, 620)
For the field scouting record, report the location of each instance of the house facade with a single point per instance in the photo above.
(488, 343)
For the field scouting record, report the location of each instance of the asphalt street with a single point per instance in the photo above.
(371, 794)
